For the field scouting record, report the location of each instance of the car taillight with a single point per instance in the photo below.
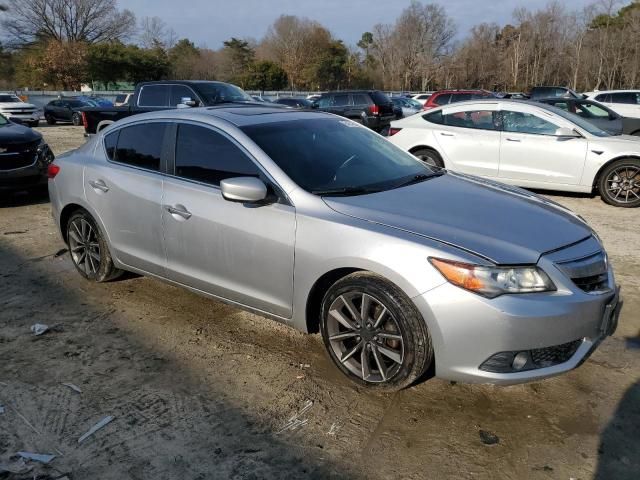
(374, 110)
(52, 170)
(393, 131)
(84, 120)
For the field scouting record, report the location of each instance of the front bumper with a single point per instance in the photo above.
(468, 329)
(30, 176)
(27, 118)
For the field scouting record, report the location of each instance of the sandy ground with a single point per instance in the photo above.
(201, 390)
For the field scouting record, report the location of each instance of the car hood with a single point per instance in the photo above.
(16, 105)
(503, 224)
(13, 134)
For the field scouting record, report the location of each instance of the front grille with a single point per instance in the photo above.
(18, 155)
(18, 110)
(589, 272)
(550, 356)
(521, 361)
(594, 283)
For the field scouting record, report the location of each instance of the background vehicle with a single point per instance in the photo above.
(407, 106)
(527, 144)
(623, 102)
(444, 97)
(422, 97)
(96, 100)
(294, 102)
(514, 95)
(354, 246)
(122, 99)
(598, 114)
(66, 110)
(546, 92)
(18, 111)
(371, 108)
(163, 95)
(24, 157)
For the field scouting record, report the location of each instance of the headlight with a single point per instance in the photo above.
(493, 281)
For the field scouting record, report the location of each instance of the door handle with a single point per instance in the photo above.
(445, 134)
(99, 185)
(512, 140)
(179, 210)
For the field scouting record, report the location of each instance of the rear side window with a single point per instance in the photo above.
(140, 145)
(476, 119)
(435, 117)
(360, 99)
(628, 98)
(340, 100)
(154, 96)
(110, 143)
(460, 97)
(209, 157)
(324, 102)
(442, 99)
(380, 98)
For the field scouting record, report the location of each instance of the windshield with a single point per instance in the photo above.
(9, 99)
(222, 93)
(581, 122)
(330, 156)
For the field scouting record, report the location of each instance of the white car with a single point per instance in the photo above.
(527, 144)
(624, 102)
(15, 109)
(422, 97)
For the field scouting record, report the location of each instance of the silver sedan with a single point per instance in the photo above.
(314, 221)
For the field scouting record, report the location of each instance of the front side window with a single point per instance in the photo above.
(605, 98)
(139, 145)
(521, 122)
(589, 110)
(324, 102)
(154, 96)
(477, 119)
(178, 92)
(215, 92)
(442, 99)
(340, 100)
(206, 156)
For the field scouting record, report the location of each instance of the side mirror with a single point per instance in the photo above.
(566, 132)
(187, 102)
(243, 189)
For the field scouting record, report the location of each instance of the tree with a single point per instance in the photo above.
(67, 20)
(61, 64)
(266, 75)
(331, 68)
(183, 59)
(109, 62)
(155, 33)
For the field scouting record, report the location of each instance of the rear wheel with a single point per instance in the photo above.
(89, 250)
(430, 157)
(50, 120)
(76, 119)
(619, 183)
(373, 332)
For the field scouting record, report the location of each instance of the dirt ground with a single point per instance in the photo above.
(201, 390)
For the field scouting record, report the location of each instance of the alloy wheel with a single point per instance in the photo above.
(623, 184)
(84, 246)
(365, 337)
(429, 160)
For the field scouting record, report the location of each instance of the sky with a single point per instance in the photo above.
(210, 22)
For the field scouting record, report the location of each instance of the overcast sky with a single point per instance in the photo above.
(210, 22)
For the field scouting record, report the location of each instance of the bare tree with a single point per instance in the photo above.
(67, 20)
(155, 33)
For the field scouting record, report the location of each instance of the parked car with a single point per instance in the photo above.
(294, 102)
(163, 95)
(96, 100)
(314, 97)
(623, 102)
(527, 144)
(546, 92)
(24, 157)
(422, 97)
(514, 95)
(371, 108)
(596, 113)
(66, 110)
(445, 97)
(407, 106)
(122, 99)
(323, 225)
(12, 107)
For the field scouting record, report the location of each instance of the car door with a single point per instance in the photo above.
(532, 155)
(239, 252)
(469, 137)
(126, 193)
(341, 104)
(65, 111)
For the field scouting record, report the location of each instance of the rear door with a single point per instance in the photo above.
(469, 137)
(532, 155)
(126, 193)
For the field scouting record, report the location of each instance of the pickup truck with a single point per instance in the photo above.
(164, 95)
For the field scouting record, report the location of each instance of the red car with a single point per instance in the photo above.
(444, 97)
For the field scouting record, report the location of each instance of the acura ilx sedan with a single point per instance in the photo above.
(319, 223)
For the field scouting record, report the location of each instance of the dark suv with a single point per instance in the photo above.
(550, 92)
(372, 108)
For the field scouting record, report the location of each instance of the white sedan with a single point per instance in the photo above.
(527, 144)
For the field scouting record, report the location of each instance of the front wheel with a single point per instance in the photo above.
(76, 119)
(374, 333)
(430, 157)
(89, 250)
(619, 183)
(50, 120)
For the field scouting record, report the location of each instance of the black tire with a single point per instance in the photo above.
(34, 124)
(99, 269)
(50, 120)
(414, 350)
(430, 157)
(636, 133)
(76, 119)
(619, 183)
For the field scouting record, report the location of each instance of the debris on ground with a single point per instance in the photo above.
(105, 421)
(295, 421)
(36, 457)
(334, 429)
(19, 466)
(488, 438)
(73, 387)
(39, 329)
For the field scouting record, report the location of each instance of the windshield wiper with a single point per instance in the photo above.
(421, 177)
(346, 191)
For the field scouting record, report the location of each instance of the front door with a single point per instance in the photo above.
(240, 252)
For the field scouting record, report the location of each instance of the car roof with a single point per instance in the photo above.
(600, 92)
(493, 101)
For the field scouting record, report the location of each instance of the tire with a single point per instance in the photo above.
(430, 157)
(34, 124)
(396, 352)
(50, 120)
(619, 183)
(636, 133)
(76, 119)
(98, 265)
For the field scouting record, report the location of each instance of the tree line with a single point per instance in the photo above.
(57, 44)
